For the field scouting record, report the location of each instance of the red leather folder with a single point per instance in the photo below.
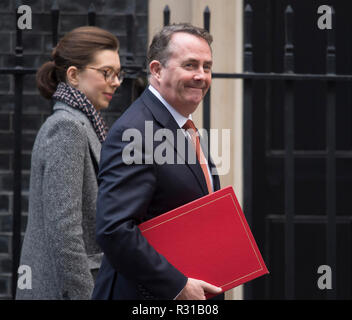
(208, 239)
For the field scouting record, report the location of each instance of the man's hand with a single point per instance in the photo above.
(196, 290)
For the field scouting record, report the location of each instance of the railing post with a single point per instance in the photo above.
(269, 84)
(248, 49)
(130, 54)
(247, 127)
(206, 18)
(331, 157)
(17, 154)
(54, 22)
(131, 33)
(206, 101)
(55, 13)
(289, 158)
(91, 15)
(166, 14)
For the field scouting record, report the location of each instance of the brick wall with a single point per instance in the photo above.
(37, 45)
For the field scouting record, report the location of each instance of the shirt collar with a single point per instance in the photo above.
(179, 118)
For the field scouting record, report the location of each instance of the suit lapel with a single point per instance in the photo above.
(166, 120)
(95, 148)
(214, 174)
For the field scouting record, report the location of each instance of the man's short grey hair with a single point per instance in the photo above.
(158, 49)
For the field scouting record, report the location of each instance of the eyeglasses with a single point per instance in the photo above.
(109, 74)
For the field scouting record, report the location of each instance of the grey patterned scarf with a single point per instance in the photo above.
(78, 100)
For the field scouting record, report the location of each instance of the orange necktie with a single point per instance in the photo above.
(200, 155)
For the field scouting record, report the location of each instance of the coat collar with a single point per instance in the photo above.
(93, 140)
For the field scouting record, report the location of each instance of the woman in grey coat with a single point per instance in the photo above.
(59, 245)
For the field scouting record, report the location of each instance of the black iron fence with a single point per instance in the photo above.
(249, 77)
(289, 77)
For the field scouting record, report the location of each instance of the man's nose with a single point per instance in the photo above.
(200, 74)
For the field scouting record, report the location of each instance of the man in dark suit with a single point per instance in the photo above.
(138, 182)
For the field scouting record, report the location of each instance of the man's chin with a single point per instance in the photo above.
(191, 107)
(196, 101)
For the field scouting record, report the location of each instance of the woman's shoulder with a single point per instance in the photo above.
(65, 113)
(62, 127)
(63, 117)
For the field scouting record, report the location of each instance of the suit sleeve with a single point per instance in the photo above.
(62, 201)
(125, 192)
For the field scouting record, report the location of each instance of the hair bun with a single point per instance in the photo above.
(46, 79)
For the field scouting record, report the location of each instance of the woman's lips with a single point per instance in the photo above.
(108, 95)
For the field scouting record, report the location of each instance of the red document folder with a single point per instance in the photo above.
(208, 239)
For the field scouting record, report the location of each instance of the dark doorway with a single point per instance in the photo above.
(310, 184)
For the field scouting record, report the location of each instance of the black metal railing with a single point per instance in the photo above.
(289, 153)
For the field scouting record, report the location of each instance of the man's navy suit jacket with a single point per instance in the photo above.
(130, 194)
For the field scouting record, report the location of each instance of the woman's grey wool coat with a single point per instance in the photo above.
(59, 244)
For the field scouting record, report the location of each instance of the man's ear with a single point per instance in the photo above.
(72, 76)
(155, 69)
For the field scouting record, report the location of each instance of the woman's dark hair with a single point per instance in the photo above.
(77, 48)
